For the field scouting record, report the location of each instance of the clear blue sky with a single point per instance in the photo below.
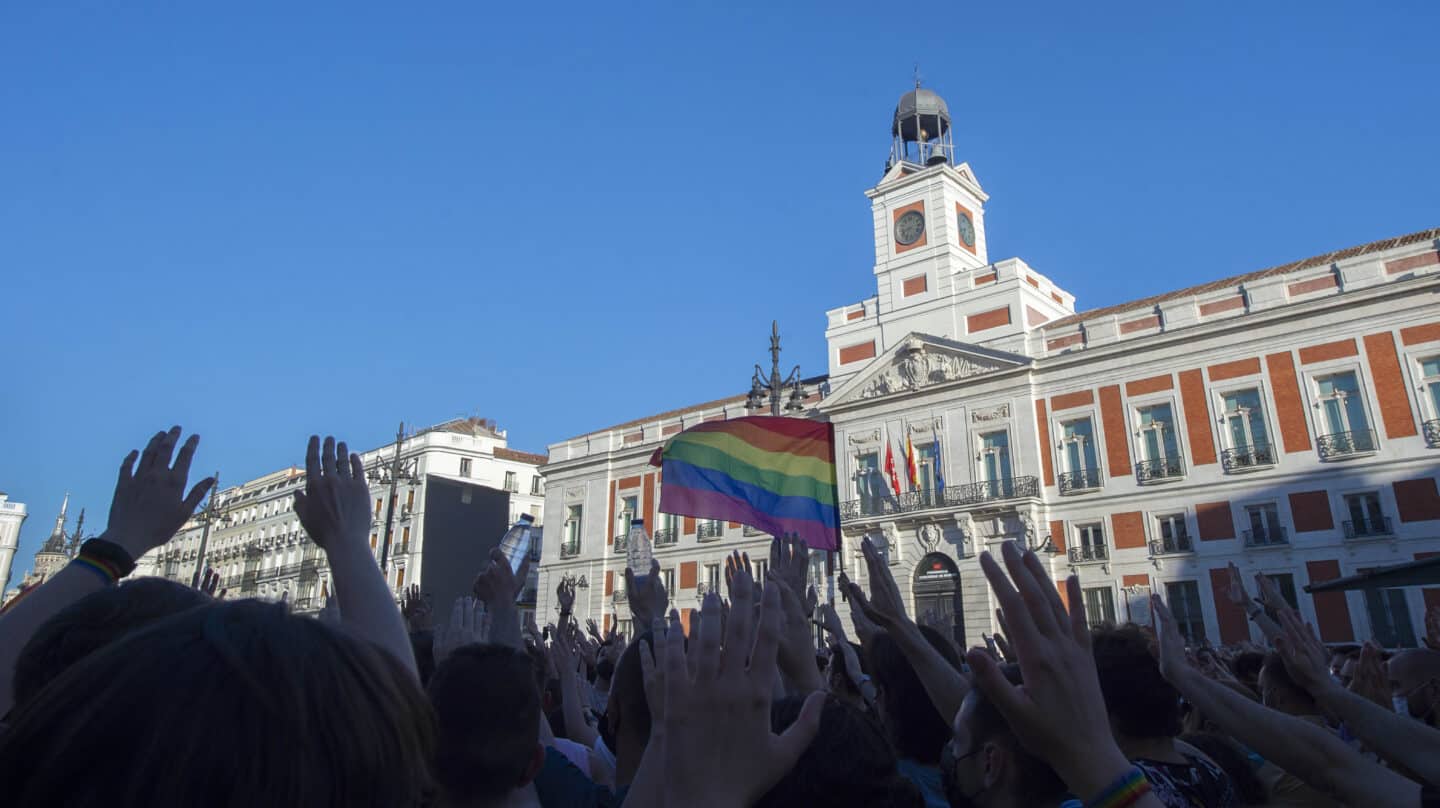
(267, 221)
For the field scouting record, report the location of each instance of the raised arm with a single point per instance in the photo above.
(945, 685)
(149, 505)
(1304, 750)
(1396, 738)
(334, 509)
(497, 586)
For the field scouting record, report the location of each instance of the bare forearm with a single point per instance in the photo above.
(576, 727)
(19, 623)
(1394, 737)
(366, 606)
(505, 625)
(1309, 752)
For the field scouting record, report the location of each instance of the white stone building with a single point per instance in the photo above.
(256, 544)
(1287, 420)
(12, 516)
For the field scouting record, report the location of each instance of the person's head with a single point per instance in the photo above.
(604, 673)
(269, 709)
(93, 622)
(911, 721)
(1232, 759)
(1338, 655)
(984, 764)
(625, 727)
(488, 711)
(848, 764)
(1246, 666)
(838, 676)
(1279, 692)
(1141, 704)
(1415, 683)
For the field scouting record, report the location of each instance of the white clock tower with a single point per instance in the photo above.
(933, 273)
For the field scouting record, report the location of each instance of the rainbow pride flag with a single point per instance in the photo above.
(776, 475)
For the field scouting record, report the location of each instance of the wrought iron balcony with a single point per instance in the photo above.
(569, 549)
(1149, 471)
(1088, 554)
(968, 495)
(710, 531)
(1345, 444)
(1243, 458)
(1432, 433)
(1172, 546)
(1266, 537)
(665, 537)
(620, 596)
(704, 588)
(1368, 528)
(621, 542)
(1073, 482)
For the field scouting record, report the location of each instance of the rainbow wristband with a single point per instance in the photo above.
(106, 572)
(1123, 792)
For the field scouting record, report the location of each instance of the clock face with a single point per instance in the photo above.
(910, 227)
(967, 229)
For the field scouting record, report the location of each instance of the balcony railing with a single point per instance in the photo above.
(951, 496)
(1368, 528)
(621, 542)
(1242, 458)
(704, 588)
(570, 549)
(1432, 433)
(1345, 444)
(666, 536)
(1172, 545)
(711, 530)
(620, 596)
(1088, 554)
(1149, 471)
(1072, 482)
(1266, 537)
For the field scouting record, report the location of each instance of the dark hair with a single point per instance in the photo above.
(850, 763)
(92, 622)
(1035, 782)
(488, 710)
(1232, 759)
(422, 644)
(911, 720)
(604, 669)
(1140, 702)
(269, 708)
(1246, 666)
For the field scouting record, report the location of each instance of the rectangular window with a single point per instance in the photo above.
(1344, 427)
(1245, 435)
(1099, 606)
(1174, 535)
(1265, 528)
(573, 517)
(512, 482)
(464, 467)
(710, 529)
(760, 568)
(410, 500)
(1366, 516)
(399, 578)
(667, 577)
(926, 461)
(870, 485)
(1079, 470)
(1159, 446)
(1285, 582)
(1183, 598)
(378, 503)
(995, 464)
(374, 539)
(405, 540)
(628, 508)
(1090, 544)
(712, 577)
(537, 486)
(1430, 384)
(1389, 617)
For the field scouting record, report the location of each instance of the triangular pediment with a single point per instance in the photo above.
(921, 361)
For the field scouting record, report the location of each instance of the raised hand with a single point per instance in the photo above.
(648, 598)
(468, 625)
(1370, 681)
(334, 508)
(885, 606)
(209, 582)
(1059, 711)
(415, 609)
(865, 628)
(565, 596)
(790, 561)
(1236, 590)
(796, 649)
(150, 502)
(594, 631)
(830, 622)
(1170, 646)
(718, 747)
(497, 585)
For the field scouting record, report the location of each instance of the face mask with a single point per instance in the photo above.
(1401, 705)
(951, 787)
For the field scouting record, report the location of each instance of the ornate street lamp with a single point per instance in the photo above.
(773, 389)
(399, 470)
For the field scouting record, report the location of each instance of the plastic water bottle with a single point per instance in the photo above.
(516, 544)
(638, 549)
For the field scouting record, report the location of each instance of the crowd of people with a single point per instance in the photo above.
(146, 692)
